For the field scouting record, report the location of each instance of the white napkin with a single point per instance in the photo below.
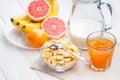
(73, 73)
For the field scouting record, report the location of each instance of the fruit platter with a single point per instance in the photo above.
(43, 20)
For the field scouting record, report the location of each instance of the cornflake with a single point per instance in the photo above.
(60, 56)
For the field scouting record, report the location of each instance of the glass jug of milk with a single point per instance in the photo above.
(88, 16)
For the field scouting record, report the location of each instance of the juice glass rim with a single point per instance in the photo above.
(102, 32)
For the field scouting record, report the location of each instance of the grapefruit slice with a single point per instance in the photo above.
(38, 9)
(54, 27)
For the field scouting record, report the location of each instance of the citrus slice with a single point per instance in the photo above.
(54, 26)
(38, 9)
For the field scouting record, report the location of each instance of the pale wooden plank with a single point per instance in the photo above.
(2, 76)
(9, 8)
(16, 63)
(12, 60)
(23, 4)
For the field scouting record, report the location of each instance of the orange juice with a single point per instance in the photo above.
(100, 51)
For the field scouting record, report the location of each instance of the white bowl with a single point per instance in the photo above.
(59, 60)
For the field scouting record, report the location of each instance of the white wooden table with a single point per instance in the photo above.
(15, 61)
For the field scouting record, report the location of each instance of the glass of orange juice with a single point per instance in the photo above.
(101, 46)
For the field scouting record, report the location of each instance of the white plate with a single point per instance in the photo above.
(18, 38)
(15, 36)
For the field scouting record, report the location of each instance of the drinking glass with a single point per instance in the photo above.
(101, 47)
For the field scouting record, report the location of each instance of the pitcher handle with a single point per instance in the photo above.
(107, 18)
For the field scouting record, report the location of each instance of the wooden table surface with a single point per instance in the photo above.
(15, 61)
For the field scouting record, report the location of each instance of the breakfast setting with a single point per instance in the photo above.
(59, 40)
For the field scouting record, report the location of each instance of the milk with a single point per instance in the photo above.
(79, 30)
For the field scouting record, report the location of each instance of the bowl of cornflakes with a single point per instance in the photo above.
(60, 59)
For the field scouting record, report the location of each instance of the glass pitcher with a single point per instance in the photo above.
(88, 16)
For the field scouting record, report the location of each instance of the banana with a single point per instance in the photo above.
(24, 23)
(54, 7)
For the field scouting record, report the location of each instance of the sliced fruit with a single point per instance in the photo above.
(54, 27)
(24, 23)
(38, 9)
(36, 37)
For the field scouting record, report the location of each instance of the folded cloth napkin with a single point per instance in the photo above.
(73, 73)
